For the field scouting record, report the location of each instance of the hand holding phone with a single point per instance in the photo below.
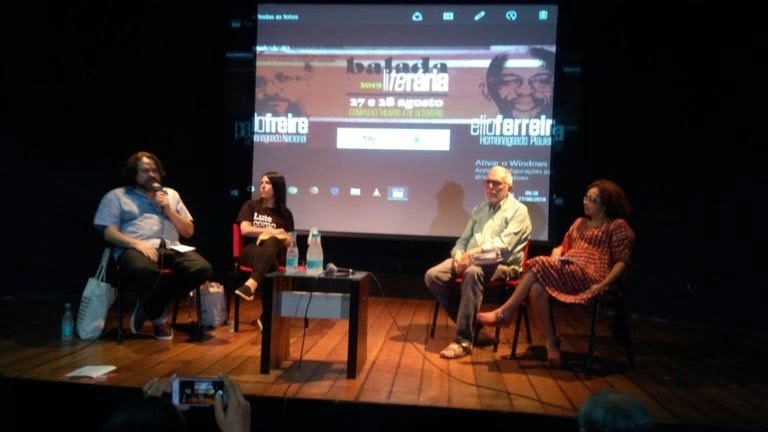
(237, 415)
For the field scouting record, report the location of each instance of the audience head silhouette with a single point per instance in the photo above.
(613, 411)
(149, 414)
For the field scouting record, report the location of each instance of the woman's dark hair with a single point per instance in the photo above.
(278, 187)
(132, 166)
(613, 198)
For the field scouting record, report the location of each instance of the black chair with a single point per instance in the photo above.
(165, 273)
(614, 296)
(494, 292)
(239, 271)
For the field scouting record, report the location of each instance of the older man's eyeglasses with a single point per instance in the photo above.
(591, 199)
(492, 183)
(279, 78)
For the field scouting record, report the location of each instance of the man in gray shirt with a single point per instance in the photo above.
(490, 248)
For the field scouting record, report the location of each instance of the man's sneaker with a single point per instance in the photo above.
(245, 292)
(162, 331)
(137, 319)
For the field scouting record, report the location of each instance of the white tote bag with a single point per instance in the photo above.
(95, 302)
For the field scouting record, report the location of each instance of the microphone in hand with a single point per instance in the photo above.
(332, 270)
(159, 201)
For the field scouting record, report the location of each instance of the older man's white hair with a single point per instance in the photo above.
(505, 173)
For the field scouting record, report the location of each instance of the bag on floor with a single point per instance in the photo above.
(214, 304)
(95, 302)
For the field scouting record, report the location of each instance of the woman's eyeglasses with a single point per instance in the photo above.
(591, 199)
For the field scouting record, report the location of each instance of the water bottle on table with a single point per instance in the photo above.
(292, 255)
(314, 253)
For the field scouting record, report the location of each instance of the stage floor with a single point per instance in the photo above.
(686, 375)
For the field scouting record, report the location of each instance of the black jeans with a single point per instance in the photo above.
(263, 257)
(142, 275)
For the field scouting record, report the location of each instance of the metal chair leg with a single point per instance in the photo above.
(522, 313)
(236, 326)
(433, 324)
(199, 330)
(592, 337)
(120, 315)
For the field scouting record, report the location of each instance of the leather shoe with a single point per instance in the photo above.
(245, 292)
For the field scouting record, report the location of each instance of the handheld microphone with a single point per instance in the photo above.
(331, 270)
(157, 187)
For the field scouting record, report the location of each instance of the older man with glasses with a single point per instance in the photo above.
(490, 248)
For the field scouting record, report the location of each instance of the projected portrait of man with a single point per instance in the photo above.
(280, 91)
(521, 83)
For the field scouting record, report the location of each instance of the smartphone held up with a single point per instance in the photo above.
(192, 392)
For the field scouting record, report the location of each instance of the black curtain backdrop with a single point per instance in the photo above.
(657, 98)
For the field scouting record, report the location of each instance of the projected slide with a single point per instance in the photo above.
(385, 119)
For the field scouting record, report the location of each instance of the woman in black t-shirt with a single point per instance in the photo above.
(265, 224)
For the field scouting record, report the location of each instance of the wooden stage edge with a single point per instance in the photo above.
(690, 378)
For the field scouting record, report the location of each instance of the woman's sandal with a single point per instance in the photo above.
(554, 356)
(455, 350)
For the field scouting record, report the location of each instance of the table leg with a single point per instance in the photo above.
(275, 337)
(357, 348)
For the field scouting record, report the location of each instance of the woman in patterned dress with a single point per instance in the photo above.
(594, 253)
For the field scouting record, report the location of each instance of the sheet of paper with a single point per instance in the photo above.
(182, 248)
(90, 371)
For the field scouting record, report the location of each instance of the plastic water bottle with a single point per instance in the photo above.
(320, 265)
(314, 253)
(312, 231)
(67, 324)
(292, 255)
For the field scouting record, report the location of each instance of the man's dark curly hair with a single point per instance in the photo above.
(131, 167)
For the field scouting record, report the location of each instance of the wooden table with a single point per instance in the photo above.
(338, 297)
